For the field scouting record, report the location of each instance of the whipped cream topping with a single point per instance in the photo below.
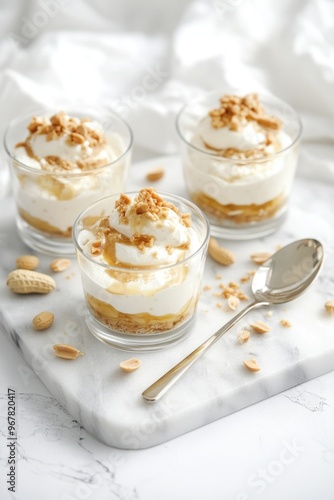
(239, 128)
(241, 137)
(62, 143)
(249, 137)
(143, 231)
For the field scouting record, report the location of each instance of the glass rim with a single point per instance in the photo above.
(65, 173)
(239, 160)
(137, 270)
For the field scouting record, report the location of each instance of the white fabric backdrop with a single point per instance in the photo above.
(145, 58)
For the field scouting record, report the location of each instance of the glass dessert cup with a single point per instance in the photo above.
(141, 308)
(48, 202)
(243, 197)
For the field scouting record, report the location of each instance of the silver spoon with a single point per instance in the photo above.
(283, 277)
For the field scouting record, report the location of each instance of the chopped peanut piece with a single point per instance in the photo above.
(243, 336)
(252, 365)
(233, 302)
(260, 257)
(155, 175)
(130, 365)
(260, 327)
(329, 306)
(285, 323)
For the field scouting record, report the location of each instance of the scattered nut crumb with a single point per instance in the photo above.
(155, 175)
(59, 265)
(130, 365)
(329, 306)
(269, 314)
(67, 351)
(245, 279)
(285, 323)
(207, 288)
(218, 276)
(233, 302)
(260, 257)
(220, 254)
(243, 336)
(260, 327)
(219, 305)
(252, 365)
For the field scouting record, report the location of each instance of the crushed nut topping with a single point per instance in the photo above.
(236, 112)
(148, 204)
(77, 134)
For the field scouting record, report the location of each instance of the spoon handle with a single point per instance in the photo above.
(161, 386)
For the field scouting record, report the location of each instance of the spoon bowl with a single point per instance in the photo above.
(282, 278)
(289, 272)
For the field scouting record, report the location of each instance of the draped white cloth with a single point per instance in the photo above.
(145, 58)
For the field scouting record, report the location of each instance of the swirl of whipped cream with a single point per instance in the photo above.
(63, 142)
(143, 231)
(249, 137)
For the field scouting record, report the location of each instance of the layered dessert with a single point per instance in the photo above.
(239, 164)
(62, 165)
(140, 264)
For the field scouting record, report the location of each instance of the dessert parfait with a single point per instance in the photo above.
(141, 266)
(61, 163)
(239, 159)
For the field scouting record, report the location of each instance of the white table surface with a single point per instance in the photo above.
(282, 447)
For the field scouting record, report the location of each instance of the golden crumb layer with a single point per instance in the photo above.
(239, 214)
(141, 323)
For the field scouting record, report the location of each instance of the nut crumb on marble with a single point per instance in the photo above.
(130, 365)
(243, 336)
(260, 327)
(66, 351)
(60, 264)
(329, 306)
(260, 257)
(233, 302)
(220, 254)
(286, 323)
(252, 365)
(155, 175)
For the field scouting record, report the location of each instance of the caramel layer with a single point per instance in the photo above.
(44, 226)
(143, 323)
(240, 214)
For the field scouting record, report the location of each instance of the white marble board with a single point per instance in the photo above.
(108, 403)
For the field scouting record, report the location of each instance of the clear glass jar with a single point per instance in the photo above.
(141, 308)
(49, 202)
(243, 198)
